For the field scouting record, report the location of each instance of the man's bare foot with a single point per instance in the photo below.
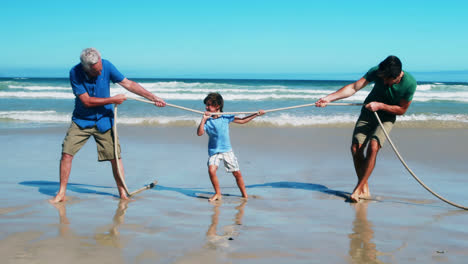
(57, 199)
(124, 198)
(215, 197)
(365, 196)
(245, 198)
(354, 197)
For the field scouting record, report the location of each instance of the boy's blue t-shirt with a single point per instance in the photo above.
(102, 116)
(218, 131)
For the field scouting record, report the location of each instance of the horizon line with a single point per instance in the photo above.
(233, 78)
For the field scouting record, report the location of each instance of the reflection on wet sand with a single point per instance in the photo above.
(64, 223)
(109, 237)
(112, 236)
(215, 241)
(361, 247)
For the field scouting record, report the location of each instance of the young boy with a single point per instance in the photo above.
(219, 144)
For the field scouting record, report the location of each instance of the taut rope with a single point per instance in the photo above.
(269, 111)
(237, 113)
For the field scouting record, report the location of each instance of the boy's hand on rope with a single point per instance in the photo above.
(207, 115)
(260, 112)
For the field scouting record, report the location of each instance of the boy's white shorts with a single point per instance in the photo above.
(230, 161)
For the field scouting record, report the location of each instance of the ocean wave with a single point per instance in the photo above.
(246, 91)
(40, 88)
(205, 85)
(461, 96)
(424, 87)
(35, 116)
(249, 96)
(288, 120)
(283, 120)
(234, 90)
(461, 118)
(37, 95)
(237, 97)
(442, 87)
(280, 120)
(189, 91)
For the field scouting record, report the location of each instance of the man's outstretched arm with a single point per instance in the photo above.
(345, 92)
(138, 89)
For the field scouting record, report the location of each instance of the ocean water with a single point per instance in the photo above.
(37, 102)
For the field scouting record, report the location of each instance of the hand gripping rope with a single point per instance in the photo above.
(151, 185)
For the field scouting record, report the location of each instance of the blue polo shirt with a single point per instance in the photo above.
(102, 116)
(218, 131)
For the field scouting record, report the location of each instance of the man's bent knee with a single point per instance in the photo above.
(356, 149)
(66, 157)
(374, 146)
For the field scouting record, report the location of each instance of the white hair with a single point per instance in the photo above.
(89, 57)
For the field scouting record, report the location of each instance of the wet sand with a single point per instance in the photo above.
(298, 180)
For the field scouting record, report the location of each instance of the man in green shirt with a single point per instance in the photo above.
(391, 96)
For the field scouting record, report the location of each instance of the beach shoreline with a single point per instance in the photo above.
(297, 177)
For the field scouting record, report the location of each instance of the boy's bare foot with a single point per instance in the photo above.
(215, 197)
(57, 199)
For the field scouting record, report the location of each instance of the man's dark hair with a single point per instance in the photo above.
(389, 68)
(214, 99)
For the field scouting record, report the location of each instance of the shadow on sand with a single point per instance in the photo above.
(195, 193)
(283, 184)
(50, 188)
(303, 186)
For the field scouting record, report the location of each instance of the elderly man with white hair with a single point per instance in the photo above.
(93, 114)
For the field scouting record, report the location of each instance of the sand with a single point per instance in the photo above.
(297, 178)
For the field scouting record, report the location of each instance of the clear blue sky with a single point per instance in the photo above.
(232, 38)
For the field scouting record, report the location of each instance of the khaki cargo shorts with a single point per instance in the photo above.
(76, 138)
(367, 128)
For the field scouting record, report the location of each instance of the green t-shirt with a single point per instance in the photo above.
(390, 95)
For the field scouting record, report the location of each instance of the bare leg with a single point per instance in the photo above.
(118, 181)
(359, 160)
(368, 164)
(65, 168)
(240, 183)
(214, 180)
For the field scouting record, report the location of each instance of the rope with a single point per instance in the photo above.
(119, 170)
(411, 172)
(116, 143)
(172, 105)
(269, 111)
(238, 113)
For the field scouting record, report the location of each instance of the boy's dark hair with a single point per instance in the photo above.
(214, 99)
(389, 68)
